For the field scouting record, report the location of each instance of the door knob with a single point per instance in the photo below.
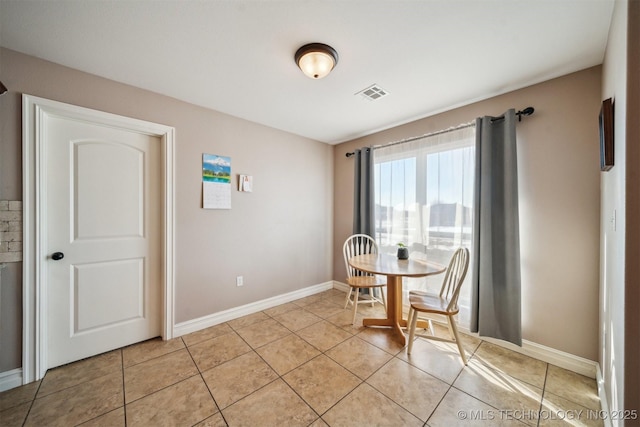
(57, 256)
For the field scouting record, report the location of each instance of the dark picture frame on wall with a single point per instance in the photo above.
(606, 135)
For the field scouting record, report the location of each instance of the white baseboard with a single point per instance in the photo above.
(10, 379)
(194, 325)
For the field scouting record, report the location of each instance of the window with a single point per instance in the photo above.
(424, 199)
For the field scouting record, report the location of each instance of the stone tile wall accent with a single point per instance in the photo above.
(10, 231)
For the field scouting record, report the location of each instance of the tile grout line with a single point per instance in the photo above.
(71, 363)
(124, 391)
(167, 386)
(493, 369)
(453, 382)
(205, 384)
(439, 402)
(427, 373)
(253, 350)
(322, 353)
(544, 387)
(362, 381)
(33, 401)
(281, 377)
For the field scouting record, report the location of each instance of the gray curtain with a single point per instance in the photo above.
(495, 305)
(363, 197)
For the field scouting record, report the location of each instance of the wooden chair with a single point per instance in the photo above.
(444, 304)
(360, 244)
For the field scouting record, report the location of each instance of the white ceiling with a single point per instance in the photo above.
(236, 56)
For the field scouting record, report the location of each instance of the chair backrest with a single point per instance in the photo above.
(456, 272)
(358, 244)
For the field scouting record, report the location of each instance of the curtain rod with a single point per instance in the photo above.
(525, 112)
(415, 138)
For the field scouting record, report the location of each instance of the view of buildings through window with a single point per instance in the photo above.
(424, 199)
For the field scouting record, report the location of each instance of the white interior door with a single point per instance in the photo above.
(104, 237)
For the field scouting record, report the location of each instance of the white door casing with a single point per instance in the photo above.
(122, 249)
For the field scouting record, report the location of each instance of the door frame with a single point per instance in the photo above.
(34, 187)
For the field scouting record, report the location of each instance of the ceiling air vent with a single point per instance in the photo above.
(373, 92)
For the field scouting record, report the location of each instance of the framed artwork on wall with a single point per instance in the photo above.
(606, 135)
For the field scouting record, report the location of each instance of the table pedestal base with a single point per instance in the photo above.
(394, 311)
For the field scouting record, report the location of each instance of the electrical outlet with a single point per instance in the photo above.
(239, 281)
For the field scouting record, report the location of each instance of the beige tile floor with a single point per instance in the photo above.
(303, 364)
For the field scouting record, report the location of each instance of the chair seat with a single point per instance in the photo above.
(429, 303)
(365, 282)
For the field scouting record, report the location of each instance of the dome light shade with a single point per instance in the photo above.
(316, 60)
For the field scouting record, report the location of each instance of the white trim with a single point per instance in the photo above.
(194, 325)
(168, 140)
(10, 379)
(34, 189)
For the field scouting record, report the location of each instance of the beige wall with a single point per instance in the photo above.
(559, 203)
(279, 237)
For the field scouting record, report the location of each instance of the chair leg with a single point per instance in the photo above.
(454, 328)
(451, 321)
(372, 296)
(382, 298)
(413, 315)
(355, 305)
(348, 300)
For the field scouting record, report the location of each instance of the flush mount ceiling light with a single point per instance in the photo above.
(316, 60)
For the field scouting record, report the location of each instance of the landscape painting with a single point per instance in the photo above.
(216, 168)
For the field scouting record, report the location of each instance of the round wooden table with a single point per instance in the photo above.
(395, 269)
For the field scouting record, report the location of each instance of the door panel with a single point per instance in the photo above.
(103, 211)
(98, 201)
(107, 294)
